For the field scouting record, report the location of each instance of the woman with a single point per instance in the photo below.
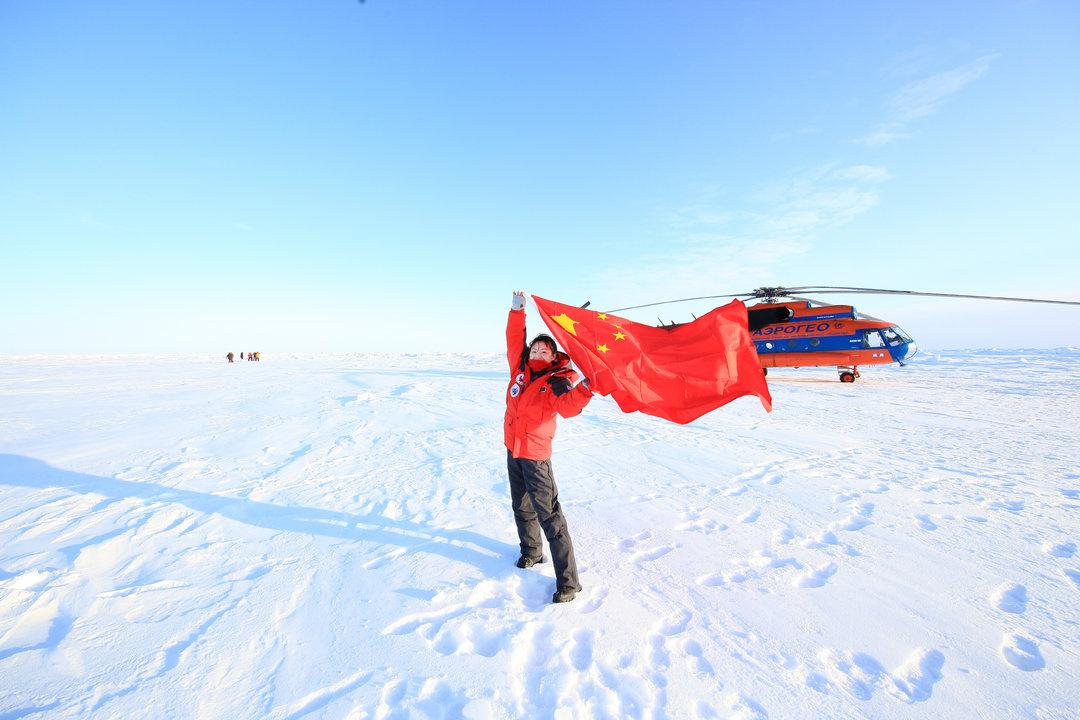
(541, 385)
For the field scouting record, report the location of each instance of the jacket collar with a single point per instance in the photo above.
(562, 360)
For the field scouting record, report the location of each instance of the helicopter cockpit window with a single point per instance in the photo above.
(872, 339)
(892, 337)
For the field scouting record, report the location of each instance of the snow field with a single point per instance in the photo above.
(330, 536)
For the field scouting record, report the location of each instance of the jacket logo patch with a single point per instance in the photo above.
(515, 390)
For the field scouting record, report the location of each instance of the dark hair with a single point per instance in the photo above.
(547, 339)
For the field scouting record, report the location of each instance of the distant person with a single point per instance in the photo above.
(256, 356)
(230, 357)
(541, 385)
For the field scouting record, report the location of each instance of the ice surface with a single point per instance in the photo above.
(330, 537)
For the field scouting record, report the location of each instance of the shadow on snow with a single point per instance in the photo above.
(486, 554)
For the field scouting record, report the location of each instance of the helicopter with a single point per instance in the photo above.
(803, 332)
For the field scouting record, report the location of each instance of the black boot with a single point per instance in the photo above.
(564, 594)
(527, 562)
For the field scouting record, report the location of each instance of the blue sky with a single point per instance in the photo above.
(336, 175)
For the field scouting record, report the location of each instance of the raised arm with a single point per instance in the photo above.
(515, 331)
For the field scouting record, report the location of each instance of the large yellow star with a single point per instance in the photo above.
(619, 336)
(566, 323)
(603, 348)
(602, 316)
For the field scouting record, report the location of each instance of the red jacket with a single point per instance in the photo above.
(529, 424)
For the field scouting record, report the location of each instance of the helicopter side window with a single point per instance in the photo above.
(892, 337)
(872, 339)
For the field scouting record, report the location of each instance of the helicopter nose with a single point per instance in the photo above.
(909, 350)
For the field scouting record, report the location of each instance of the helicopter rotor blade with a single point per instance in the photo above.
(781, 292)
(880, 291)
(669, 302)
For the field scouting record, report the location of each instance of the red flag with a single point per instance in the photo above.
(678, 373)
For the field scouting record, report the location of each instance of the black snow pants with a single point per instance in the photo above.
(536, 505)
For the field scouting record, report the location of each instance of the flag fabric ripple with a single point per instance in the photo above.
(678, 372)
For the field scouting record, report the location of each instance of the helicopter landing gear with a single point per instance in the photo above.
(848, 374)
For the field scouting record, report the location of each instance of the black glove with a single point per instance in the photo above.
(560, 385)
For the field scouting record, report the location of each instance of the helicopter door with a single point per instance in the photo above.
(872, 339)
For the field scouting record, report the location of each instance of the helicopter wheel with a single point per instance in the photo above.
(847, 377)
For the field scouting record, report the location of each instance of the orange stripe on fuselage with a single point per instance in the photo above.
(868, 356)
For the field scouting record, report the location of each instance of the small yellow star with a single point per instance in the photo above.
(603, 348)
(566, 323)
(619, 336)
(602, 316)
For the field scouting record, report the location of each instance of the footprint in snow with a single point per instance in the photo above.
(766, 558)
(712, 580)
(740, 576)
(644, 498)
(695, 658)
(1060, 549)
(580, 651)
(783, 536)
(1010, 598)
(594, 599)
(857, 520)
(694, 522)
(822, 539)
(923, 520)
(657, 652)
(1013, 506)
(674, 624)
(435, 697)
(815, 577)
(630, 542)
(1022, 652)
(652, 554)
(743, 707)
(860, 674)
(750, 515)
(659, 658)
(472, 622)
(914, 680)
